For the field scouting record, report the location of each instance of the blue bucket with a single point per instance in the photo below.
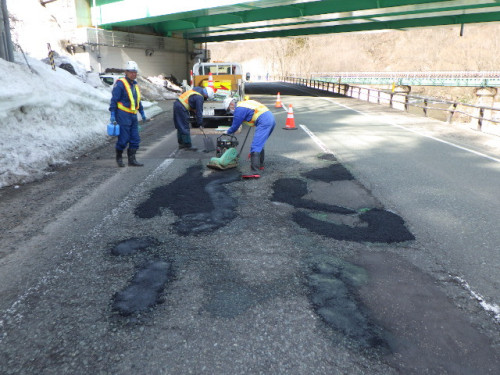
(113, 130)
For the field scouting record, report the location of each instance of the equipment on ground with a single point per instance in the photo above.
(226, 153)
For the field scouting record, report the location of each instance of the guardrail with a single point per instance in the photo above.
(404, 101)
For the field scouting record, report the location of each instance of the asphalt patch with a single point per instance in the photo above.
(202, 204)
(291, 191)
(382, 226)
(329, 157)
(333, 285)
(144, 290)
(133, 246)
(334, 172)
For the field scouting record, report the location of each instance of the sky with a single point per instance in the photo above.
(48, 117)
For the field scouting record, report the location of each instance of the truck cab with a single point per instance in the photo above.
(229, 88)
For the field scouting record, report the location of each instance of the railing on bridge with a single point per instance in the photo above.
(437, 78)
(482, 114)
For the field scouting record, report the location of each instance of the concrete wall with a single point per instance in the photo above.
(154, 55)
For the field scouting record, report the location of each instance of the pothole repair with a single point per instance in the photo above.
(333, 283)
(202, 204)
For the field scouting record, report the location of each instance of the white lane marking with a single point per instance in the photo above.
(419, 133)
(493, 308)
(316, 139)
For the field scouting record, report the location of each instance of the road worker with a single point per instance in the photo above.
(190, 101)
(253, 113)
(125, 103)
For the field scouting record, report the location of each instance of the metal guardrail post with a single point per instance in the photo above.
(451, 112)
(425, 107)
(390, 100)
(480, 119)
(406, 103)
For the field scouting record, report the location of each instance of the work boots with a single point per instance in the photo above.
(254, 166)
(131, 158)
(262, 160)
(119, 158)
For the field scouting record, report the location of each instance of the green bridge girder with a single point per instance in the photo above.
(225, 20)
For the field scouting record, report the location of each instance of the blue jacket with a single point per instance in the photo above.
(119, 94)
(196, 102)
(242, 114)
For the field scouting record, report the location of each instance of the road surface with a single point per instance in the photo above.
(366, 247)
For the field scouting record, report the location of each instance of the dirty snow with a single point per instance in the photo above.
(47, 116)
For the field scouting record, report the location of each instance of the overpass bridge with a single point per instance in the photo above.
(168, 36)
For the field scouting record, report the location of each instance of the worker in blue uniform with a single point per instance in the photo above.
(124, 105)
(190, 101)
(253, 113)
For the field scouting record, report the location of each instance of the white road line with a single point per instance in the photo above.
(316, 139)
(421, 134)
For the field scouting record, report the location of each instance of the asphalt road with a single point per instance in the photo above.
(365, 248)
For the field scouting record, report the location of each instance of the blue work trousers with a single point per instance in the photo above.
(181, 122)
(129, 130)
(263, 128)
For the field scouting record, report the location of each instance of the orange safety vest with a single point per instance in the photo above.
(184, 98)
(133, 106)
(256, 106)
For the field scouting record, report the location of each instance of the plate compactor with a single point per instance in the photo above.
(226, 155)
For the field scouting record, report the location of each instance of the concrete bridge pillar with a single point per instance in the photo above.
(403, 89)
(485, 97)
(400, 97)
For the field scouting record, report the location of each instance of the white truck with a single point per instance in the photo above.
(229, 89)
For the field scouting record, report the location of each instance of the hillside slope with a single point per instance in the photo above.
(424, 49)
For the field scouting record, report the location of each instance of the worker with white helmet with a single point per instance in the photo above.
(125, 103)
(190, 101)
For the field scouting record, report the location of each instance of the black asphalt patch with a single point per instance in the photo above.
(133, 246)
(333, 285)
(334, 172)
(291, 191)
(202, 204)
(383, 226)
(329, 157)
(144, 289)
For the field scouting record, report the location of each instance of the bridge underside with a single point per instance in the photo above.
(227, 20)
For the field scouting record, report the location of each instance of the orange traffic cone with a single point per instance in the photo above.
(211, 81)
(290, 121)
(278, 102)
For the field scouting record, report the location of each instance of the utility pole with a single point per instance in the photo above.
(6, 51)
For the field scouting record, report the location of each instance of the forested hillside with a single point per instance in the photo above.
(425, 49)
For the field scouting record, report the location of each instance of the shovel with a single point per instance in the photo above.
(208, 143)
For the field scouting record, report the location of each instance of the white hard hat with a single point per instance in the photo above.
(131, 66)
(210, 92)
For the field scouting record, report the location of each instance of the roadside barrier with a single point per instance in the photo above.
(278, 101)
(290, 121)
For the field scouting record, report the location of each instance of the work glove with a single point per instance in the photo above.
(113, 118)
(144, 119)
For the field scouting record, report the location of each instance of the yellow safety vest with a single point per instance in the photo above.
(256, 106)
(133, 106)
(184, 98)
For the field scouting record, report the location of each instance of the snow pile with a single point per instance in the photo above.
(158, 88)
(47, 117)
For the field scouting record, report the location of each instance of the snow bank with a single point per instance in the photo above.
(47, 117)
